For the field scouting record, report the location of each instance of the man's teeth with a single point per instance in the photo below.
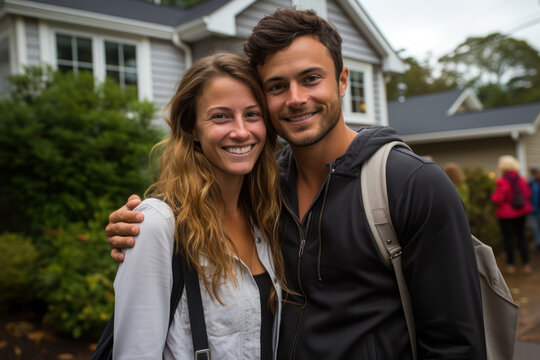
(238, 150)
(300, 118)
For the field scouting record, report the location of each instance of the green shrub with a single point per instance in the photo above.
(481, 211)
(77, 282)
(19, 270)
(65, 143)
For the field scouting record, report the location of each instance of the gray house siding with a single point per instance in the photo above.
(247, 19)
(32, 42)
(167, 69)
(214, 44)
(355, 45)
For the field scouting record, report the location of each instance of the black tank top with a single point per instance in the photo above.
(264, 283)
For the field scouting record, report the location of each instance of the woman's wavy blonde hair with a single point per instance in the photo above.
(186, 179)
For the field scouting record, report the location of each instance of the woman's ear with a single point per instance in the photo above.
(195, 135)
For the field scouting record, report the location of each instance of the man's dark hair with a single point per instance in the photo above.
(277, 31)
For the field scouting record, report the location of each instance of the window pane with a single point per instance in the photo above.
(111, 53)
(65, 68)
(63, 47)
(358, 104)
(84, 50)
(130, 59)
(4, 64)
(131, 78)
(115, 75)
(85, 67)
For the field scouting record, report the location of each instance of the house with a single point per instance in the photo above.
(453, 126)
(148, 45)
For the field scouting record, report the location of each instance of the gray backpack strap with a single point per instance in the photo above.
(375, 197)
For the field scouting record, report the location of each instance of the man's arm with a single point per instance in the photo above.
(439, 263)
(123, 227)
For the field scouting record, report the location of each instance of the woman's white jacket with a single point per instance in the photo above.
(143, 286)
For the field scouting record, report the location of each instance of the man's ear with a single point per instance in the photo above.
(343, 81)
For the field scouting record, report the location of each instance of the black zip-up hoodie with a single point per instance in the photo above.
(348, 304)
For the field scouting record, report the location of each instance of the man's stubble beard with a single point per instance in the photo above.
(327, 124)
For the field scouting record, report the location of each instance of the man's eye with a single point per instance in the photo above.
(312, 78)
(275, 87)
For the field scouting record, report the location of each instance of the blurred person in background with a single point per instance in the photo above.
(511, 199)
(457, 177)
(534, 218)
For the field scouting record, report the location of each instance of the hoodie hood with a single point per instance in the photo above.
(366, 142)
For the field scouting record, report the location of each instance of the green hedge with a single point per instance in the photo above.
(481, 211)
(66, 143)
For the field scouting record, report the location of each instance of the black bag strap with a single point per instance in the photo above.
(196, 313)
(178, 285)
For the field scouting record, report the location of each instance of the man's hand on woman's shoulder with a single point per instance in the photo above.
(122, 227)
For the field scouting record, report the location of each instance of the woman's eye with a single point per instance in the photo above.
(218, 117)
(253, 114)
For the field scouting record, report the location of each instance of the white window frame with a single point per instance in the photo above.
(7, 33)
(356, 118)
(75, 62)
(121, 68)
(142, 50)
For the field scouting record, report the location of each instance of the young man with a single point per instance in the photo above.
(346, 303)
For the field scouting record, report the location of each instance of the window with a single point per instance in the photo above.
(126, 59)
(357, 99)
(4, 64)
(358, 102)
(121, 63)
(73, 53)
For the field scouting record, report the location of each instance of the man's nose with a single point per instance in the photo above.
(296, 95)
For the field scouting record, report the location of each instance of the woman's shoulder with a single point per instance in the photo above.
(155, 206)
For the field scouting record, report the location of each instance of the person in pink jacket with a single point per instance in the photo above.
(511, 199)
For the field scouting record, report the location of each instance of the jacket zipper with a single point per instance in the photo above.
(327, 185)
(302, 245)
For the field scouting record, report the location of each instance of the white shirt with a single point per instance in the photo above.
(143, 286)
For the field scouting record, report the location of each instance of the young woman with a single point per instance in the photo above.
(511, 216)
(218, 180)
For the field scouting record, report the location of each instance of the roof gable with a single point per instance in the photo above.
(466, 102)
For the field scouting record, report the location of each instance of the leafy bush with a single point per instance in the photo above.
(481, 211)
(66, 143)
(77, 282)
(19, 269)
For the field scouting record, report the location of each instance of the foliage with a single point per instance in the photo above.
(66, 143)
(18, 257)
(77, 282)
(420, 79)
(504, 70)
(481, 211)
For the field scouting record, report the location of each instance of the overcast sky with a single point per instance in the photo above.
(438, 26)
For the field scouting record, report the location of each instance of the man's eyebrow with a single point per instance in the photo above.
(301, 73)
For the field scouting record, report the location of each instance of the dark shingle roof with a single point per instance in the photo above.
(427, 114)
(141, 10)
